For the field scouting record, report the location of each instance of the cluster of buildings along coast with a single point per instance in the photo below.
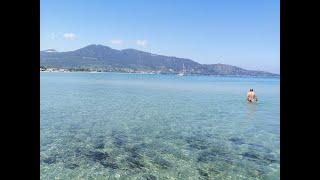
(53, 70)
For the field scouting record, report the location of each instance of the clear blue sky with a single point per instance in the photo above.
(244, 33)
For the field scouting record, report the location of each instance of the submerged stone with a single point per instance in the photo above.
(251, 155)
(71, 166)
(258, 147)
(99, 145)
(197, 143)
(237, 141)
(206, 156)
(134, 163)
(271, 158)
(49, 160)
(99, 142)
(162, 162)
(97, 156)
(100, 137)
(150, 177)
(107, 164)
(139, 147)
(259, 159)
(199, 146)
(215, 170)
(135, 155)
(203, 174)
(119, 139)
(134, 152)
(255, 145)
(79, 149)
(254, 173)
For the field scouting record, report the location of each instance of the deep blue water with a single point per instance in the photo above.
(134, 126)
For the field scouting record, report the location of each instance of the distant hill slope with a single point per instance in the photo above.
(103, 58)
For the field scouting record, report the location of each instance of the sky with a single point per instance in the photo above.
(242, 33)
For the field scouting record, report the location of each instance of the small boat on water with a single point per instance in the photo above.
(183, 73)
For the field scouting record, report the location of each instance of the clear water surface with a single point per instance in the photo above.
(134, 126)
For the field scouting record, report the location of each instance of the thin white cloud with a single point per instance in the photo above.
(69, 36)
(52, 36)
(141, 42)
(117, 41)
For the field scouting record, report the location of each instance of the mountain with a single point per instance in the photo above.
(103, 58)
(50, 50)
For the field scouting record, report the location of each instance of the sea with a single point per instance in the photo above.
(153, 126)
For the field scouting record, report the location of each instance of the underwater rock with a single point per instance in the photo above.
(254, 173)
(150, 177)
(71, 166)
(251, 155)
(259, 159)
(99, 142)
(119, 139)
(215, 170)
(199, 146)
(139, 147)
(136, 150)
(197, 143)
(258, 147)
(271, 158)
(255, 145)
(134, 160)
(237, 141)
(107, 164)
(97, 155)
(79, 151)
(135, 155)
(134, 163)
(161, 162)
(206, 156)
(88, 133)
(99, 145)
(203, 174)
(101, 137)
(50, 160)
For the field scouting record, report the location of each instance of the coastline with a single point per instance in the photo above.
(114, 72)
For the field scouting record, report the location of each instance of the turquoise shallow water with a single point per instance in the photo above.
(133, 126)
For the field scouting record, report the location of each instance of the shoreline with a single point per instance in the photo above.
(43, 69)
(244, 76)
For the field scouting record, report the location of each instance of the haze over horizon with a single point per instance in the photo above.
(240, 33)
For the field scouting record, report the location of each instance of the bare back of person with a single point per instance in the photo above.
(251, 96)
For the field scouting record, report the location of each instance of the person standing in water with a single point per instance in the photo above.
(251, 96)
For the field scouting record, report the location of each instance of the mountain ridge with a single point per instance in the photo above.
(103, 58)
